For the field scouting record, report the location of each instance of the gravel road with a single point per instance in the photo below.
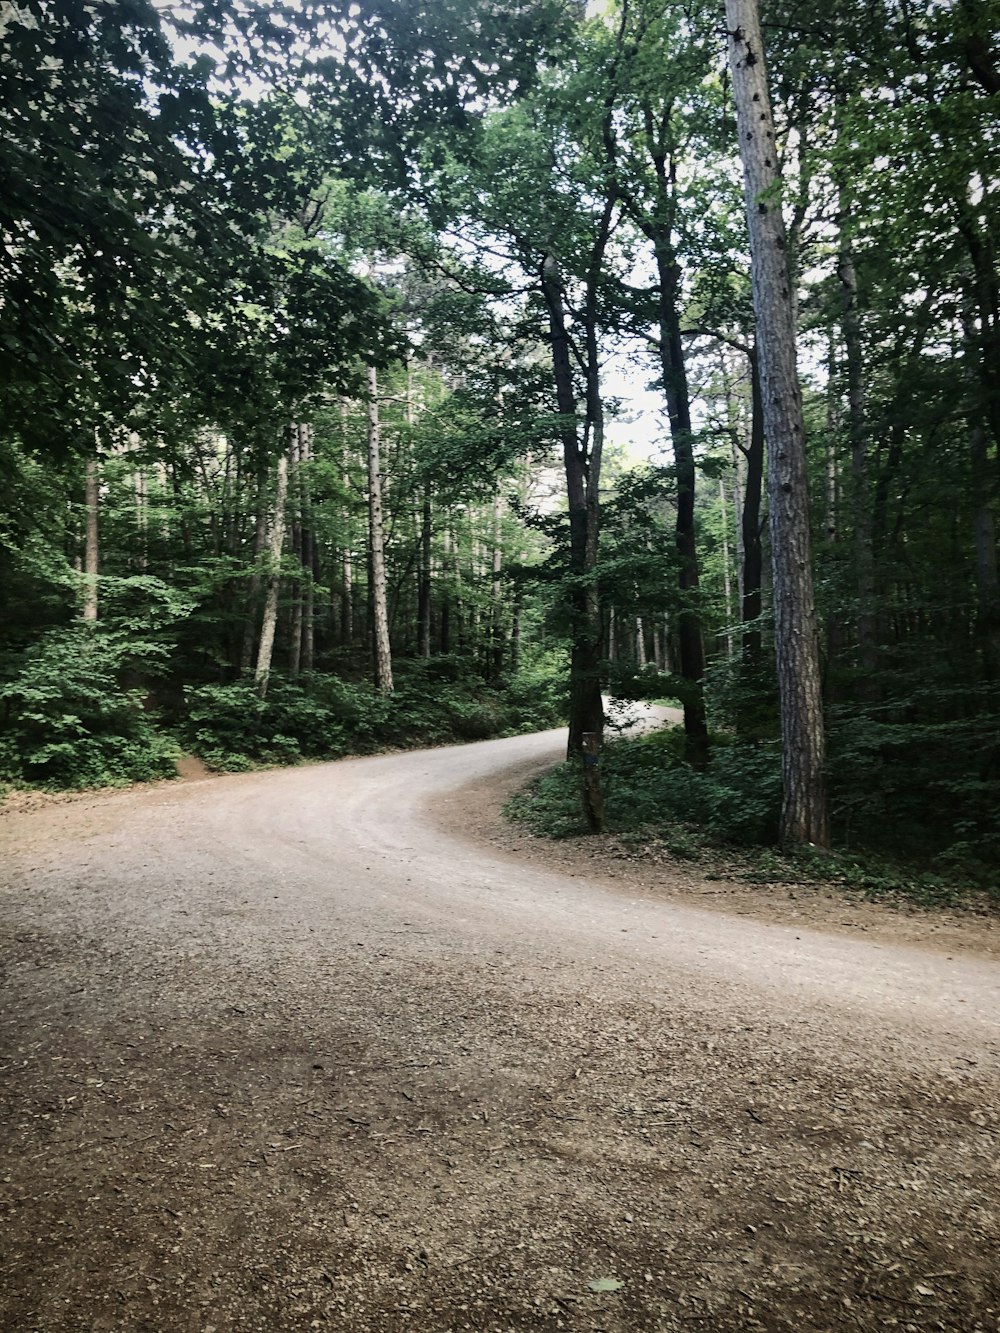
(298, 1049)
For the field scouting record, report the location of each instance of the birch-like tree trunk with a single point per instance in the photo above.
(426, 573)
(295, 484)
(346, 559)
(496, 592)
(376, 544)
(727, 583)
(91, 548)
(309, 556)
(253, 591)
(265, 648)
(804, 817)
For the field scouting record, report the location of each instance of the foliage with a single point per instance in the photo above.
(648, 785)
(70, 722)
(322, 716)
(889, 783)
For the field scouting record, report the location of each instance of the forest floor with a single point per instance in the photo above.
(335, 1047)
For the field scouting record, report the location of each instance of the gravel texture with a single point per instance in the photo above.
(332, 1047)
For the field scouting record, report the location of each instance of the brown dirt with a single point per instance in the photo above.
(332, 1048)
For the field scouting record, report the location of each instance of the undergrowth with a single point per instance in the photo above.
(726, 819)
(72, 721)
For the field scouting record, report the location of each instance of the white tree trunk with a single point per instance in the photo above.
(91, 552)
(277, 541)
(376, 542)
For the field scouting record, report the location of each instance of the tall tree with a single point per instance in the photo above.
(804, 816)
(376, 542)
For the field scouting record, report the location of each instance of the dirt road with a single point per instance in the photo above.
(293, 1050)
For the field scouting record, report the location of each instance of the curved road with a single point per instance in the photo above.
(281, 1051)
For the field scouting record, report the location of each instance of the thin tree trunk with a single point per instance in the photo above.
(309, 556)
(496, 590)
(346, 559)
(424, 590)
(586, 704)
(675, 385)
(727, 584)
(856, 407)
(253, 591)
(277, 540)
(376, 544)
(141, 492)
(751, 527)
(91, 550)
(515, 633)
(804, 816)
(295, 628)
(444, 631)
(640, 643)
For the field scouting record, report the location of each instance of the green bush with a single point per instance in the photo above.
(648, 786)
(537, 696)
(68, 720)
(231, 727)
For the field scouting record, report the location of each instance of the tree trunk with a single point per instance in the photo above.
(586, 710)
(751, 527)
(690, 642)
(309, 555)
(265, 648)
(376, 544)
(496, 590)
(727, 583)
(295, 628)
(857, 418)
(424, 589)
(987, 577)
(253, 592)
(91, 549)
(640, 643)
(804, 817)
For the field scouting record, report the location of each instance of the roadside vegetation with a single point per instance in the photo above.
(890, 842)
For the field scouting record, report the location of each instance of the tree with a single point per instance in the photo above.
(804, 818)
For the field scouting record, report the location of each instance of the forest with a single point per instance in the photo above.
(393, 373)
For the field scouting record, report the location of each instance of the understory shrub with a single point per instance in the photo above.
(648, 785)
(916, 805)
(68, 720)
(920, 776)
(321, 716)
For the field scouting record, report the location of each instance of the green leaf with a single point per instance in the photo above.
(605, 1284)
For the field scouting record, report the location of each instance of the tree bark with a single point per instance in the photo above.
(751, 526)
(253, 592)
(310, 560)
(376, 544)
(91, 549)
(804, 816)
(424, 589)
(269, 623)
(690, 642)
(295, 628)
(586, 704)
(861, 513)
(727, 584)
(496, 593)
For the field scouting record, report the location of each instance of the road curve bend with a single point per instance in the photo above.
(280, 1051)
